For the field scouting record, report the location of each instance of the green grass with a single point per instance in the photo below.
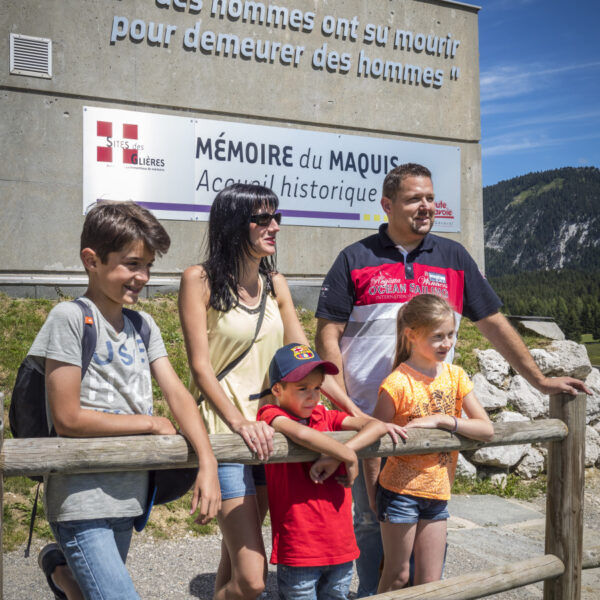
(470, 339)
(514, 488)
(592, 346)
(173, 520)
(20, 320)
(308, 322)
(593, 351)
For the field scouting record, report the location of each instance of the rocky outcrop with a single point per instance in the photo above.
(506, 396)
(490, 396)
(593, 401)
(526, 399)
(573, 360)
(592, 446)
(493, 367)
(531, 465)
(503, 457)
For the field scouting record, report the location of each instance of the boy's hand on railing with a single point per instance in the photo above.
(162, 426)
(351, 472)
(207, 493)
(323, 468)
(326, 466)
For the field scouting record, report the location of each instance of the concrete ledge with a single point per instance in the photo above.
(545, 326)
(53, 287)
(305, 291)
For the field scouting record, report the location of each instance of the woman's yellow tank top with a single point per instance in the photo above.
(229, 334)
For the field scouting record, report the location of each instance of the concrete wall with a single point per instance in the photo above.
(41, 126)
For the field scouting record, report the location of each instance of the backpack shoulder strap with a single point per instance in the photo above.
(90, 336)
(88, 347)
(139, 324)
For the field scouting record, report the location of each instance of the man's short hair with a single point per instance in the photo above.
(110, 226)
(393, 180)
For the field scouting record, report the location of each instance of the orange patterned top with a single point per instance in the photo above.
(417, 395)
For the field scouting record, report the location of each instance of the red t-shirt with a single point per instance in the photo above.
(311, 523)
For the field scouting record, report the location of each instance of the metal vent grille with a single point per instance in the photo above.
(30, 56)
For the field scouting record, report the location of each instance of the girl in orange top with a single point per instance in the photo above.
(422, 391)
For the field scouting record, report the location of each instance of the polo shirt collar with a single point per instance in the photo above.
(426, 244)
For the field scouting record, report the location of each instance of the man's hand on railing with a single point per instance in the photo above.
(562, 385)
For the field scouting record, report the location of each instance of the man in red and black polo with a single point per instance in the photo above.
(360, 298)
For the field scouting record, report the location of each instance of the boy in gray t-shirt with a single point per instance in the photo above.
(91, 515)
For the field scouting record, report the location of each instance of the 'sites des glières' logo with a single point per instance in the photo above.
(128, 143)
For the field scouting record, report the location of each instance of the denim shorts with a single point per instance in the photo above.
(402, 508)
(238, 480)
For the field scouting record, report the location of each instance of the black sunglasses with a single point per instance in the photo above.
(264, 219)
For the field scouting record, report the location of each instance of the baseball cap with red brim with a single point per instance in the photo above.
(295, 361)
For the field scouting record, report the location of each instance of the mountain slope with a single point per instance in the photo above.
(543, 221)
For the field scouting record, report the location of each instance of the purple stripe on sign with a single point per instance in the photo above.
(312, 214)
(307, 214)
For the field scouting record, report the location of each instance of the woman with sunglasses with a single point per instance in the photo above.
(219, 308)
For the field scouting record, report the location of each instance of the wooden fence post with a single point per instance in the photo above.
(564, 501)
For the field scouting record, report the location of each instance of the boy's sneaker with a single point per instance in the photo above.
(49, 558)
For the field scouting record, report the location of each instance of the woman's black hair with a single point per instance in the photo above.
(229, 241)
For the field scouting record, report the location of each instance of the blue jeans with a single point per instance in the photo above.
(96, 550)
(330, 582)
(368, 538)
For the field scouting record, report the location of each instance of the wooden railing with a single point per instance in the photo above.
(560, 567)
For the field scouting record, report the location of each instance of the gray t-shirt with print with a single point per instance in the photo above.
(117, 380)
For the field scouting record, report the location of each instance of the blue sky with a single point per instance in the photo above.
(540, 85)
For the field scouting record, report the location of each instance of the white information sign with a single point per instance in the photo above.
(176, 165)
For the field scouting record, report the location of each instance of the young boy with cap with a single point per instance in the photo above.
(310, 504)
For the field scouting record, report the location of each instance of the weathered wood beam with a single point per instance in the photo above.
(564, 498)
(77, 455)
(482, 583)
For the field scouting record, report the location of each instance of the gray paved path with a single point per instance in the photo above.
(484, 531)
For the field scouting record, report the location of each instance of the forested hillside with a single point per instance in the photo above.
(572, 298)
(543, 221)
(542, 246)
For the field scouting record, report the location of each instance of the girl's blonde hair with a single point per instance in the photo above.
(421, 313)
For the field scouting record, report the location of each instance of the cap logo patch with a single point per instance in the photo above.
(303, 353)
